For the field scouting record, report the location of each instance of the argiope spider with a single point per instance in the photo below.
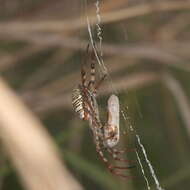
(85, 104)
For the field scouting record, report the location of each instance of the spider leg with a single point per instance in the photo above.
(120, 174)
(113, 169)
(95, 122)
(92, 78)
(90, 107)
(83, 70)
(113, 152)
(91, 103)
(92, 71)
(120, 167)
(114, 155)
(122, 151)
(118, 151)
(83, 75)
(96, 87)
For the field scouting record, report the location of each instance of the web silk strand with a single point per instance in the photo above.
(105, 71)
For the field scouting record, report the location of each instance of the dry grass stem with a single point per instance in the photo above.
(181, 99)
(147, 51)
(75, 24)
(30, 147)
(10, 61)
(138, 80)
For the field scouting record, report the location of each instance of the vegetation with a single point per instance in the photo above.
(146, 51)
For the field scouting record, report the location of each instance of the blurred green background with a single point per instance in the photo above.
(146, 51)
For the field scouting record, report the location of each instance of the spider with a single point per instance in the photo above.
(85, 105)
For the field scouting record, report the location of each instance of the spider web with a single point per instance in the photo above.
(104, 70)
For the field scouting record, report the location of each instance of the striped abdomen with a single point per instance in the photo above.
(77, 102)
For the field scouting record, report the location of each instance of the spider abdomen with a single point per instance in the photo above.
(77, 102)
